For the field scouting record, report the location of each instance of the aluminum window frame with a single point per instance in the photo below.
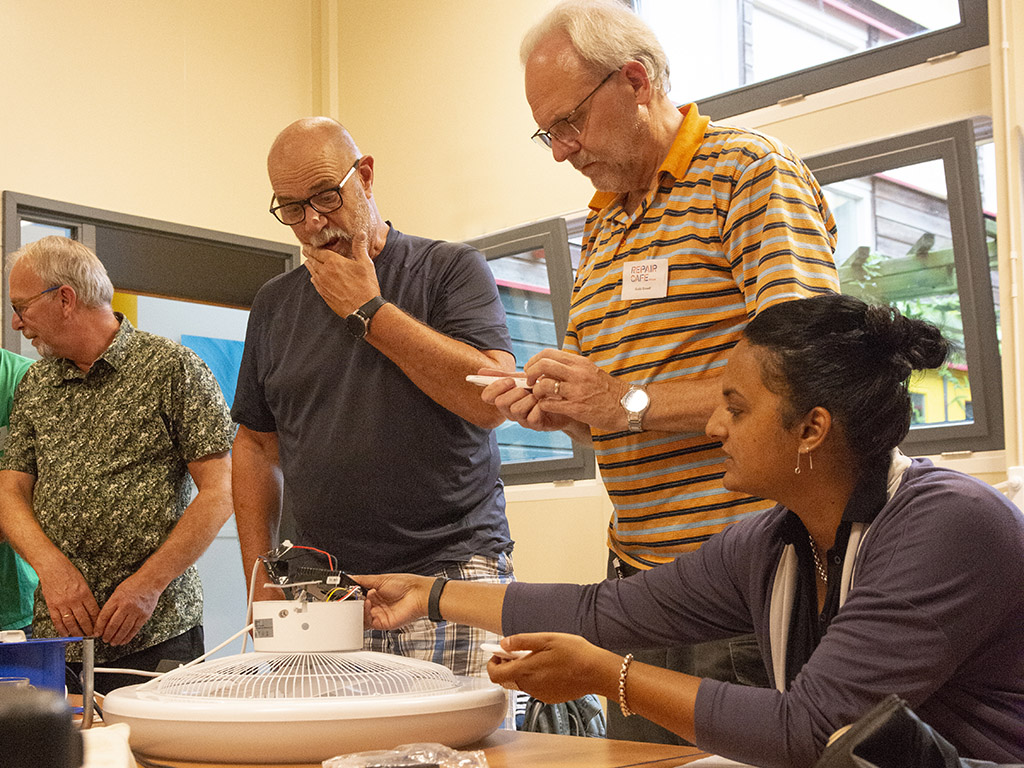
(552, 236)
(955, 145)
(970, 33)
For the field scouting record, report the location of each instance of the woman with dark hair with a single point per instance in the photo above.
(873, 574)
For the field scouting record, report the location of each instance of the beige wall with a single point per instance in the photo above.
(159, 109)
(434, 91)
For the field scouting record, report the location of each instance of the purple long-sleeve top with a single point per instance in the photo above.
(935, 615)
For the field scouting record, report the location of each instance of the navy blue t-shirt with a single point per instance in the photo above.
(375, 472)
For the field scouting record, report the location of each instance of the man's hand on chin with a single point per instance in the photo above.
(344, 282)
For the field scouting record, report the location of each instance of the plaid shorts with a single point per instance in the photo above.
(456, 646)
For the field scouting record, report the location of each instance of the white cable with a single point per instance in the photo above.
(212, 651)
(194, 661)
(248, 606)
(118, 671)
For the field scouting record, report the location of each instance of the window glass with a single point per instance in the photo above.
(37, 230)
(522, 280)
(917, 229)
(216, 334)
(30, 232)
(743, 43)
(896, 247)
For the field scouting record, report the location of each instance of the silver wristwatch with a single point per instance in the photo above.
(636, 402)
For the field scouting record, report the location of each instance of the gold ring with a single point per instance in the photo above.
(65, 615)
(558, 384)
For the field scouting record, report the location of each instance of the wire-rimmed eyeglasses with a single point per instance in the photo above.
(327, 201)
(21, 306)
(563, 129)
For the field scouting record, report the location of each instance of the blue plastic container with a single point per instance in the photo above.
(41, 661)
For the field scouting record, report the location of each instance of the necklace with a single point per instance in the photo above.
(822, 573)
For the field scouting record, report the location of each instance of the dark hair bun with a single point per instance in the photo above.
(910, 344)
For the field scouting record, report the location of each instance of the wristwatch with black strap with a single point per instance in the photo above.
(358, 322)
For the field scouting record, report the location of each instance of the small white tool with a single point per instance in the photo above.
(483, 381)
(496, 650)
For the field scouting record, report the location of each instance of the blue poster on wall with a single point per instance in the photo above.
(223, 356)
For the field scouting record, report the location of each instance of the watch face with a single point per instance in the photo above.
(356, 325)
(636, 400)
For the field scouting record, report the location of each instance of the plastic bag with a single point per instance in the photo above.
(410, 756)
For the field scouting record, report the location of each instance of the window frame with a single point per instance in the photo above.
(159, 276)
(552, 236)
(955, 145)
(970, 33)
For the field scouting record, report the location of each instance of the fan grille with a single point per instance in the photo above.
(304, 676)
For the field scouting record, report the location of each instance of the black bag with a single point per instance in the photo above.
(890, 735)
(579, 717)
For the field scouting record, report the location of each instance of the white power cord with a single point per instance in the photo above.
(144, 673)
(248, 605)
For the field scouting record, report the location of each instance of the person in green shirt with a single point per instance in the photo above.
(17, 579)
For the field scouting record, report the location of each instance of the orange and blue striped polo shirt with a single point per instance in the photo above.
(743, 225)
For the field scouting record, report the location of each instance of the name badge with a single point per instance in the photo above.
(647, 279)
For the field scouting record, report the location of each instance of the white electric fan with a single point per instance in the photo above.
(306, 694)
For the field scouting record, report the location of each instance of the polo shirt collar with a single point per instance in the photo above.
(677, 162)
(118, 349)
(114, 355)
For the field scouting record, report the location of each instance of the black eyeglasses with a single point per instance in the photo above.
(563, 128)
(327, 201)
(21, 306)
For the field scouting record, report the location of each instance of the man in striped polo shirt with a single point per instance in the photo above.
(695, 228)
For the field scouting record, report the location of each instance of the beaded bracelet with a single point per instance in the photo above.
(626, 711)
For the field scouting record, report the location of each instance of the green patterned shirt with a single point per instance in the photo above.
(110, 450)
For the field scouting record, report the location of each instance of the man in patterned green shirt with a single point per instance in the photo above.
(94, 487)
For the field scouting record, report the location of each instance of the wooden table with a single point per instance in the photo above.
(516, 749)
(519, 749)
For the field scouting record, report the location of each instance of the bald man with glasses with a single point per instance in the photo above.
(355, 417)
(695, 227)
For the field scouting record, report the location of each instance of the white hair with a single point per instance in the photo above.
(62, 261)
(606, 34)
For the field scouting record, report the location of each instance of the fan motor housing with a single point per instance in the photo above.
(307, 627)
